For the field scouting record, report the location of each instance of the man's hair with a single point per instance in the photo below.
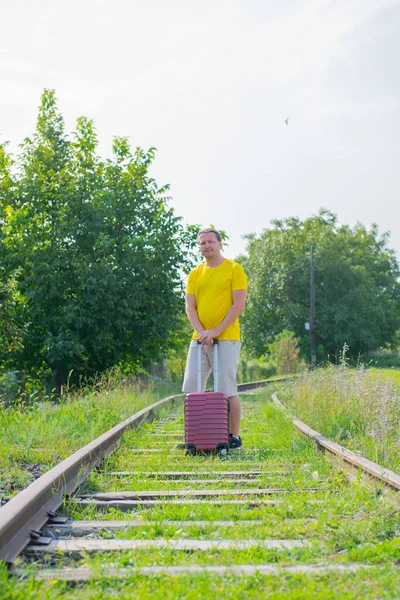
(210, 230)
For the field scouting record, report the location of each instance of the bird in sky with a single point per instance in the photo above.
(287, 121)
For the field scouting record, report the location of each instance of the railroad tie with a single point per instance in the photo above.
(81, 528)
(286, 511)
(149, 494)
(77, 545)
(85, 574)
(187, 475)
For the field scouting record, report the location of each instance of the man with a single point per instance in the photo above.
(215, 297)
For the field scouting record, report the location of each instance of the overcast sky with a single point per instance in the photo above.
(210, 84)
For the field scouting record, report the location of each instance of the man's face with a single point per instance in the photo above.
(209, 245)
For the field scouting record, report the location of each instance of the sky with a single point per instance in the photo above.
(210, 84)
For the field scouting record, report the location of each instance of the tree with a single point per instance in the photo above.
(357, 285)
(11, 328)
(98, 252)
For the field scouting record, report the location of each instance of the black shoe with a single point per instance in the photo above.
(235, 443)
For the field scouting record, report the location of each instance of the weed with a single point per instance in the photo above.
(358, 408)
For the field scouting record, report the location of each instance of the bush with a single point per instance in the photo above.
(9, 386)
(256, 369)
(284, 352)
(381, 360)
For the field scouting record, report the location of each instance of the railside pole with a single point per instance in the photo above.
(312, 310)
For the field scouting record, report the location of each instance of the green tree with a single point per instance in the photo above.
(357, 285)
(11, 327)
(98, 252)
(12, 330)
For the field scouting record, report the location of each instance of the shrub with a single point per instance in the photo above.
(284, 352)
(256, 369)
(383, 359)
(9, 386)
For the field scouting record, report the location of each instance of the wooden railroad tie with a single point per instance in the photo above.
(85, 574)
(148, 494)
(142, 504)
(189, 474)
(99, 545)
(76, 528)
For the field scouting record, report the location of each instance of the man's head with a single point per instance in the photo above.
(210, 242)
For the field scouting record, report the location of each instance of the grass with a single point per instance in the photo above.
(345, 523)
(387, 374)
(368, 584)
(35, 437)
(358, 408)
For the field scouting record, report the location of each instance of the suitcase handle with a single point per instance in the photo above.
(215, 344)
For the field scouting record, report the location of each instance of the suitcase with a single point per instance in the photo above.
(206, 415)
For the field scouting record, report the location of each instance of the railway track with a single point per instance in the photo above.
(142, 508)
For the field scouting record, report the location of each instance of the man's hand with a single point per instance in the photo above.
(206, 337)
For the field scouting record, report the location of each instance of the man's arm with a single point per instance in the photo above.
(191, 311)
(239, 301)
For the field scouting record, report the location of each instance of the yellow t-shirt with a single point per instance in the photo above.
(212, 288)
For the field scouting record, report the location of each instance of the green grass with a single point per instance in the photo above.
(344, 522)
(360, 409)
(36, 437)
(391, 374)
(368, 584)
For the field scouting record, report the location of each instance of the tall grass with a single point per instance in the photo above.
(358, 408)
(37, 435)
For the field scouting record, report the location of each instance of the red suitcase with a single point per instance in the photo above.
(207, 414)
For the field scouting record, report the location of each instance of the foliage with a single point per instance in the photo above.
(382, 359)
(281, 357)
(255, 369)
(97, 253)
(179, 344)
(12, 329)
(356, 281)
(284, 352)
(9, 386)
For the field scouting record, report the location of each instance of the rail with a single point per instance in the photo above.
(24, 515)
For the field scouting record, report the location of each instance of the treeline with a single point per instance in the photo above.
(91, 255)
(357, 289)
(92, 260)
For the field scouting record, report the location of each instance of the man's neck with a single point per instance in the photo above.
(214, 261)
